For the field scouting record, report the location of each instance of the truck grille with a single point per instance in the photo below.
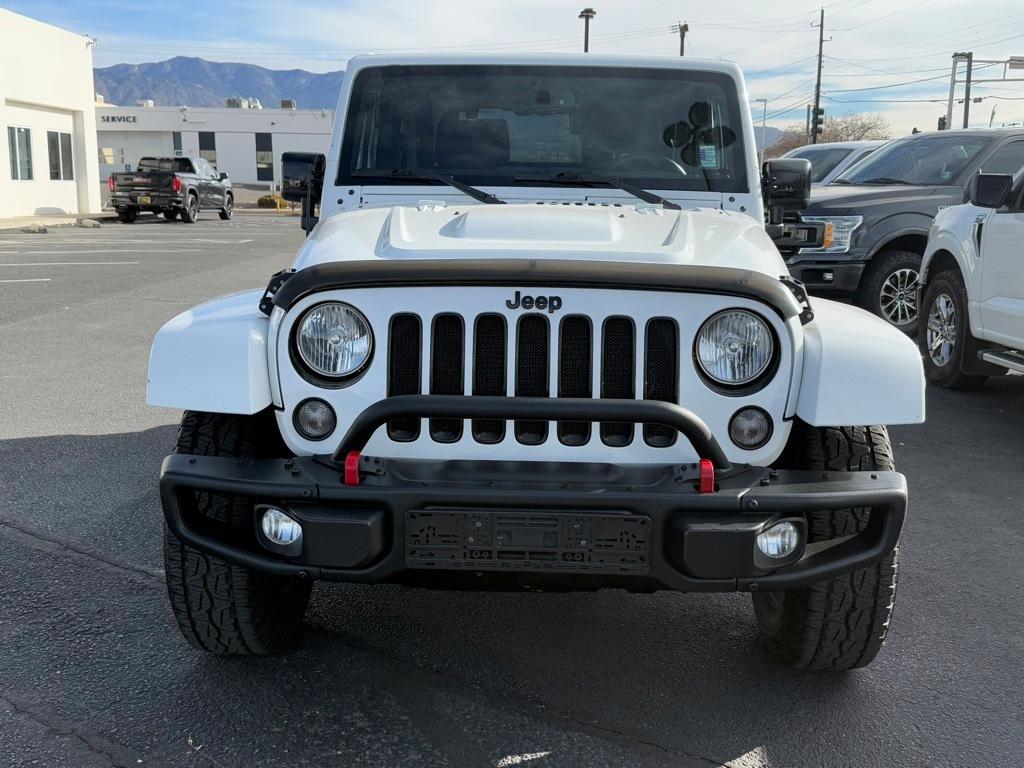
(534, 356)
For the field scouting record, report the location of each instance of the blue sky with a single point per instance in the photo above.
(883, 56)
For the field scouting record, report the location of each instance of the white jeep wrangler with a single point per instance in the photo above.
(972, 286)
(539, 336)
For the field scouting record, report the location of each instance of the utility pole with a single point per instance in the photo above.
(952, 91)
(682, 28)
(807, 125)
(817, 84)
(967, 88)
(764, 119)
(586, 14)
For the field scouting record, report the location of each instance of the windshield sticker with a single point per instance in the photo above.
(708, 155)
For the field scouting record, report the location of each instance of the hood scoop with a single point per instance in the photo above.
(536, 224)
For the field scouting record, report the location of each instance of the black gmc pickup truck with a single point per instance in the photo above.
(171, 186)
(878, 213)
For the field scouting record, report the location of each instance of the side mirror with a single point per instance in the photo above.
(298, 175)
(302, 181)
(989, 190)
(223, 176)
(785, 186)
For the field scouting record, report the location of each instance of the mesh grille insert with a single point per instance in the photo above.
(575, 373)
(404, 351)
(661, 375)
(446, 372)
(617, 375)
(489, 352)
(532, 362)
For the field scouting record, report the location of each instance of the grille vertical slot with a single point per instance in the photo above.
(404, 350)
(575, 373)
(617, 374)
(532, 368)
(489, 356)
(661, 374)
(446, 371)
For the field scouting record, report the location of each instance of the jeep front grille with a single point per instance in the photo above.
(543, 354)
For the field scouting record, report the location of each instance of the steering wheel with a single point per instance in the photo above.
(648, 161)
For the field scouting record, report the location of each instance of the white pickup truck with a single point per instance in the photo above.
(972, 286)
(539, 337)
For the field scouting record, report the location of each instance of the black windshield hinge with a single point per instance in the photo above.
(797, 289)
(276, 281)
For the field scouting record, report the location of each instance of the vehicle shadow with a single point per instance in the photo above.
(466, 678)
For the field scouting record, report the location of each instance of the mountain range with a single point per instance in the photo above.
(196, 82)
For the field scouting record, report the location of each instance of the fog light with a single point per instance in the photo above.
(279, 528)
(750, 428)
(779, 541)
(315, 419)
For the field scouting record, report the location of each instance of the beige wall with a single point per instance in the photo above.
(46, 85)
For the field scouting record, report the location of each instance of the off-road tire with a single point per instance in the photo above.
(190, 211)
(869, 292)
(950, 375)
(228, 210)
(170, 215)
(841, 623)
(220, 607)
(127, 217)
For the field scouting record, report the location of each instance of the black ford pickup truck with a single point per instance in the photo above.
(878, 213)
(171, 186)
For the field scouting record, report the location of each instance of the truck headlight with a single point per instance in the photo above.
(334, 340)
(838, 233)
(734, 347)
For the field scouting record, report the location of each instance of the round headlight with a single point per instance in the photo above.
(734, 347)
(334, 340)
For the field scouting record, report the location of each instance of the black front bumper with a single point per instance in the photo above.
(692, 541)
(832, 278)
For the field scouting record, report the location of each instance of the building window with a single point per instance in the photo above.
(61, 166)
(176, 139)
(208, 147)
(264, 157)
(19, 145)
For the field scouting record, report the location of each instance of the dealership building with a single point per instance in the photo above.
(47, 116)
(244, 140)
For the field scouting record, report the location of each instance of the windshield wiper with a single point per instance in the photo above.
(886, 180)
(841, 181)
(571, 178)
(407, 175)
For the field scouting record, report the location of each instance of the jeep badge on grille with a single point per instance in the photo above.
(551, 303)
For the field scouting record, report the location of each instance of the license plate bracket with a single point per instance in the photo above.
(536, 542)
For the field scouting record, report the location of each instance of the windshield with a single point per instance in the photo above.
(166, 164)
(495, 125)
(823, 159)
(929, 161)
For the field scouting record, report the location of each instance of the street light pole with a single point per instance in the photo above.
(587, 14)
(764, 120)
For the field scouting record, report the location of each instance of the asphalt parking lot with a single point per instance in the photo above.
(93, 671)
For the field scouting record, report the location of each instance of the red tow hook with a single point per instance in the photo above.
(707, 477)
(352, 468)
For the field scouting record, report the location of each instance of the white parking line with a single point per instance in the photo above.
(107, 251)
(28, 280)
(68, 263)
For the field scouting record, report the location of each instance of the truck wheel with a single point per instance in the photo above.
(841, 623)
(220, 607)
(170, 215)
(127, 217)
(228, 209)
(889, 288)
(945, 335)
(190, 212)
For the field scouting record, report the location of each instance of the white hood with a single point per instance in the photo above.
(642, 234)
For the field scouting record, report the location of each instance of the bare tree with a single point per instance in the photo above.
(856, 126)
